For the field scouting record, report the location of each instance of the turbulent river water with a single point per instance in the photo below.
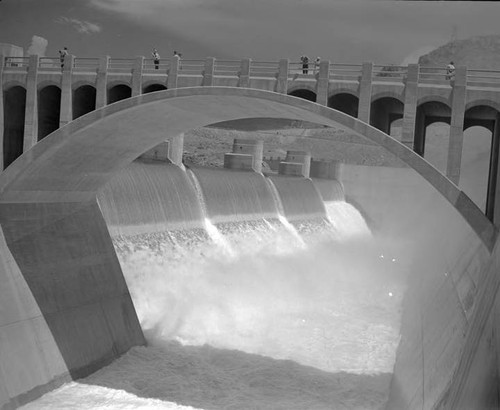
(265, 314)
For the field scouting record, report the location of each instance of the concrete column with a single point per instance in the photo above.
(208, 73)
(298, 157)
(67, 91)
(493, 198)
(173, 72)
(102, 83)
(457, 125)
(323, 82)
(410, 106)
(365, 92)
(176, 149)
(245, 73)
(30, 116)
(247, 154)
(137, 76)
(282, 83)
(2, 121)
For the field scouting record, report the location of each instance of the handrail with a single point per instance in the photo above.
(227, 67)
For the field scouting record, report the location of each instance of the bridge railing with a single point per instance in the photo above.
(434, 75)
(85, 65)
(121, 65)
(349, 72)
(264, 68)
(478, 77)
(16, 63)
(191, 67)
(49, 64)
(389, 73)
(227, 68)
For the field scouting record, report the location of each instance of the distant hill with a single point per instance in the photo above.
(481, 52)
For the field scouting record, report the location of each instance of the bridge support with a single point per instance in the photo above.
(30, 119)
(410, 107)
(245, 73)
(457, 125)
(66, 109)
(2, 133)
(208, 72)
(365, 92)
(137, 76)
(323, 82)
(102, 83)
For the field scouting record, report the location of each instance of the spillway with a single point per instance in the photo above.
(285, 301)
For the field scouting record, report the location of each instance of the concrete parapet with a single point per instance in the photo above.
(255, 148)
(238, 161)
(302, 157)
(326, 169)
(291, 169)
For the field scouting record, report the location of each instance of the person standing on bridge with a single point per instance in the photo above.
(305, 64)
(62, 56)
(156, 58)
(450, 71)
(316, 64)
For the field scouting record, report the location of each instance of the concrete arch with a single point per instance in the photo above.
(149, 115)
(13, 128)
(118, 92)
(82, 83)
(49, 109)
(388, 94)
(47, 83)
(433, 98)
(301, 86)
(347, 103)
(72, 294)
(487, 103)
(84, 100)
(384, 111)
(342, 91)
(13, 83)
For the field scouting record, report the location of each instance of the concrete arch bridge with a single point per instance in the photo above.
(39, 97)
(67, 307)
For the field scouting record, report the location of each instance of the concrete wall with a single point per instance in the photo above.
(447, 357)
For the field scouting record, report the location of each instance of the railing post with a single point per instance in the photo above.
(410, 106)
(208, 72)
(244, 81)
(493, 198)
(102, 82)
(31, 111)
(66, 91)
(457, 124)
(323, 83)
(2, 136)
(365, 92)
(282, 80)
(173, 72)
(137, 76)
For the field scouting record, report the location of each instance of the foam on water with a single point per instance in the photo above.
(219, 323)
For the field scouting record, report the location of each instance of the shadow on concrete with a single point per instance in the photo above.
(207, 378)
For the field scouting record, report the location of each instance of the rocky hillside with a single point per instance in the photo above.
(481, 52)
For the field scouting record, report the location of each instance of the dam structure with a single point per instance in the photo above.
(66, 308)
(39, 97)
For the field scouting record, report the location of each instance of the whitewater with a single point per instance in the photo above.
(263, 314)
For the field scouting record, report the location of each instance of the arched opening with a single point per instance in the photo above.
(479, 166)
(119, 92)
(49, 110)
(305, 94)
(432, 133)
(384, 111)
(14, 102)
(84, 98)
(346, 103)
(153, 87)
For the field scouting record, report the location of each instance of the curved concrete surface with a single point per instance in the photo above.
(71, 311)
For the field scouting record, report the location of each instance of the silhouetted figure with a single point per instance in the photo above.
(305, 64)
(450, 71)
(156, 58)
(62, 55)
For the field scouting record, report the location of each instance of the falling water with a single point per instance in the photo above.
(276, 323)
